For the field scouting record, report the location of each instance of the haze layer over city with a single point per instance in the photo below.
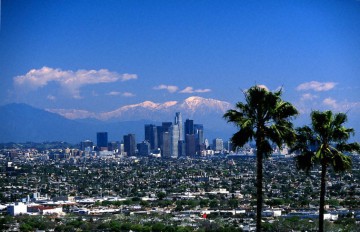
(179, 115)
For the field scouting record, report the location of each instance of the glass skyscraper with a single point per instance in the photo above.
(151, 135)
(101, 140)
(189, 127)
(178, 121)
(130, 144)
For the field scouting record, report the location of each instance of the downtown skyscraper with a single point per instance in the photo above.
(175, 137)
(130, 144)
(102, 140)
(189, 127)
(151, 135)
(178, 121)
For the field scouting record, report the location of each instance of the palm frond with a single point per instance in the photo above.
(339, 119)
(241, 137)
(284, 110)
(305, 161)
(281, 132)
(321, 122)
(348, 147)
(340, 162)
(233, 116)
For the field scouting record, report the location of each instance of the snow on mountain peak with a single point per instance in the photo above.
(194, 98)
(152, 106)
(168, 104)
(195, 102)
(149, 109)
(73, 113)
(148, 104)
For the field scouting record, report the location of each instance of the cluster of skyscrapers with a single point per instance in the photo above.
(174, 139)
(170, 139)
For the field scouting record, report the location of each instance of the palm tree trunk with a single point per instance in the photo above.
(259, 196)
(322, 198)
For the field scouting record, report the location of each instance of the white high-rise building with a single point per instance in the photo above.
(178, 121)
(174, 144)
(218, 144)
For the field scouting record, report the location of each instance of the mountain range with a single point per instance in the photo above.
(22, 123)
(192, 107)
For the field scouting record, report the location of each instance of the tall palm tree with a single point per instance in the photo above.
(265, 118)
(324, 143)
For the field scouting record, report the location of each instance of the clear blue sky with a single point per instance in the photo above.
(100, 55)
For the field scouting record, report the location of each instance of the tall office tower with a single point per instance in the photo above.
(143, 148)
(229, 146)
(166, 147)
(181, 148)
(178, 121)
(199, 132)
(190, 144)
(174, 140)
(189, 127)
(218, 144)
(151, 135)
(161, 130)
(102, 140)
(86, 144)
(160, 136)
(166, 126)
(199, 137)
(129, 144)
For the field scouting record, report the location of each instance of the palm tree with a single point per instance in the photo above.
(265, 118)
(324, 143)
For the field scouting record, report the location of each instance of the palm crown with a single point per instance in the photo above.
(264, 117)
(325, 142)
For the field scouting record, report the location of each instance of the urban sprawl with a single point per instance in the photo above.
(174, 180)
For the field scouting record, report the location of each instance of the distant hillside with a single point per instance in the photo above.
(20, 123)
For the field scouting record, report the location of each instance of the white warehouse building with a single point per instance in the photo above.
(17, 209)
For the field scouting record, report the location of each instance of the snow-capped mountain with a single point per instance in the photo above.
(198, 103)
(192, 107)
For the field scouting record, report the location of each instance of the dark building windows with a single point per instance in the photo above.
(130, 144)
(102, 140)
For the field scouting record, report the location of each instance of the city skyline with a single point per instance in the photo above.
(167, 140)
(94, 56)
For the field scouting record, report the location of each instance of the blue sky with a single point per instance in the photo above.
(100, 55)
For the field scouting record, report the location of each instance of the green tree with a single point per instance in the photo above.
(26, 227)
(158, 227)
(233, 203)
(5, 222)
(161, 195)
(265, 118)
(324, 143)
(214, 203)
(144, 204)
(204, 202)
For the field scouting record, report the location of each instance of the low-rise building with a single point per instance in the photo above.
(17, 209)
